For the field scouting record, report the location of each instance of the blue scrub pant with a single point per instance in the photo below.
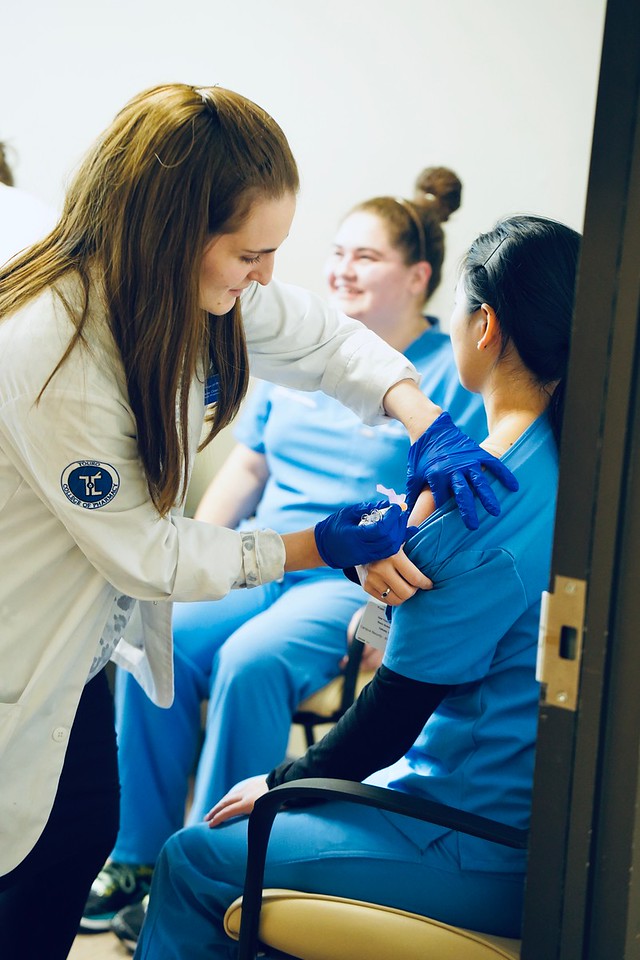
(340, 850)
(255, 655)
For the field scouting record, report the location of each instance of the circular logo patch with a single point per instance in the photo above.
(90, 483)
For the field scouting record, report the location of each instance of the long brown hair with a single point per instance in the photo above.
(177, 164)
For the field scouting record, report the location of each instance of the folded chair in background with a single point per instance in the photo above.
(329, 703)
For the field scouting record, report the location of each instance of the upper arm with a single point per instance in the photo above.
(297, 340)
(449, 634)
(92, 434)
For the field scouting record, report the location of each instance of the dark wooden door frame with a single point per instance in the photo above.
(582, 898)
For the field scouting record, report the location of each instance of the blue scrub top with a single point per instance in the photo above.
(478, 630)
(321, 456)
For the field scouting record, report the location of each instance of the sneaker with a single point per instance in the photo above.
(116, 886)
(127, 923)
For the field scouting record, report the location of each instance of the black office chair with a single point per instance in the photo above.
(307, 926)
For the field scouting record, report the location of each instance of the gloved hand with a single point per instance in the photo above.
(451, 463)
(343, 541)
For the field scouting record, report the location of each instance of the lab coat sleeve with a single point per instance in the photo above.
(296, 339)
(140, 553)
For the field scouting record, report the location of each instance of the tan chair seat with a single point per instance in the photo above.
(351, 930)
(327, 701)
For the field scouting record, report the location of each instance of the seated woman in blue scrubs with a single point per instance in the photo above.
(257, 653)
(451, 714)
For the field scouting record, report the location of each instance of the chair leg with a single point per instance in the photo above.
(309, 734)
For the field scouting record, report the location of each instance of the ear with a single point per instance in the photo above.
(420, 277)
(490, 334)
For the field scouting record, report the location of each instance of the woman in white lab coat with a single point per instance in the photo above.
(118, 332)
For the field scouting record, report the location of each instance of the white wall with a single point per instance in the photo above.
(368, 92)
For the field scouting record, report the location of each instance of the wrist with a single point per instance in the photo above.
(301, 552)
(404, 401)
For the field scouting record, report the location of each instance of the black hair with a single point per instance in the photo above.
(526, 269)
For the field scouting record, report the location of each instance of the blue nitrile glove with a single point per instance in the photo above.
(449, 462)
(343, 541)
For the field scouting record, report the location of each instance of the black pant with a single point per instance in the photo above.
(42, 899)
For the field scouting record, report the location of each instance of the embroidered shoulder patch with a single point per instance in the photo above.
(90, 483)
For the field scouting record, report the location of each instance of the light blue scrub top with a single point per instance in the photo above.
(322, 457)
(478, 629)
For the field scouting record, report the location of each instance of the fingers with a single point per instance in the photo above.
(406, 570)
(482, 489)
(378, 586)
(399, 576)
(366, 511)
(230, 806)
(215, 817)
(386, 526)
(239, 802)
(387, 535)
(439, 486)
(392, 599)
(464, 499)
(502, 473)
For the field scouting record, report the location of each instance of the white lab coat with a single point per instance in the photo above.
(62, 565)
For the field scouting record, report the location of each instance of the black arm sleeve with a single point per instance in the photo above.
(378, 729)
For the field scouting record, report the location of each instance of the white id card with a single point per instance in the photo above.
(374, 626)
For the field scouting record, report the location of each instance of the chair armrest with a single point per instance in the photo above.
(266, 808)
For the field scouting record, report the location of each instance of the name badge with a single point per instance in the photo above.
(211, 389)
(374, 626)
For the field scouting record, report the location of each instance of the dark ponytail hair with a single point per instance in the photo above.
(414, 226)
(526, 269)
